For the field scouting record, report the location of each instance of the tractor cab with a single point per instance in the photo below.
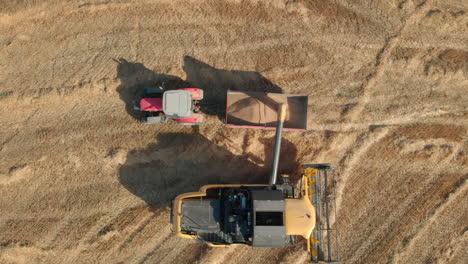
(159, 106)
(178, 103)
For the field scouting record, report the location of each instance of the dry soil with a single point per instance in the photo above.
(82, 181)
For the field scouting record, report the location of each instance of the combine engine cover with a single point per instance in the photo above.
(202, 215)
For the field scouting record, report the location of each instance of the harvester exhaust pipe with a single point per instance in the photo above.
(282, 109)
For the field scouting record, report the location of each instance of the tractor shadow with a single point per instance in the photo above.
(134, 77)
(216, 82)
(181, 162)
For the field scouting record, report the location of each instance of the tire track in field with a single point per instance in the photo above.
(381, 63)
(456, 243)
(103, 225)
(112, 235)
(218, 255)
(135, 231)
(150, 246)
(382, 60)
(459, 194)
(397, 121)
(161, 245)
(353, 157)
(458, 150)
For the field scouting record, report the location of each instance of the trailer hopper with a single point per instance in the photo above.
(259, 110)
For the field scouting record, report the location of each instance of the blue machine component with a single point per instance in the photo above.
(232, 198)
(243, 202)
(236, 209)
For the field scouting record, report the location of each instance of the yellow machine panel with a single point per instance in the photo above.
(299, 217)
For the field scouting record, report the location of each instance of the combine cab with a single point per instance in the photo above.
(180, 105)
(263, 215)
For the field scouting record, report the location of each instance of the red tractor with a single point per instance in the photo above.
(181, 105)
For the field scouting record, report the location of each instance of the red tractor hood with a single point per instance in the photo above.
(151, 104)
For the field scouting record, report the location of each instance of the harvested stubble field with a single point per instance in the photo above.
(82, 181)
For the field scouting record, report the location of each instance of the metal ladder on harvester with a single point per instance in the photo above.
(318, 184)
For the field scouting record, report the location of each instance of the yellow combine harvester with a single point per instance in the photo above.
(264, 215)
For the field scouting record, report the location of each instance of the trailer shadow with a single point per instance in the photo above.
(216, 82)
(134, 77)
(181, 162)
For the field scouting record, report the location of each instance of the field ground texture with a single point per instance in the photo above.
(82, 181)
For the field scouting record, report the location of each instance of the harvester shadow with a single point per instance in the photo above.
(134, 77)
(181, 162)
(288, 155)
(216, 82)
